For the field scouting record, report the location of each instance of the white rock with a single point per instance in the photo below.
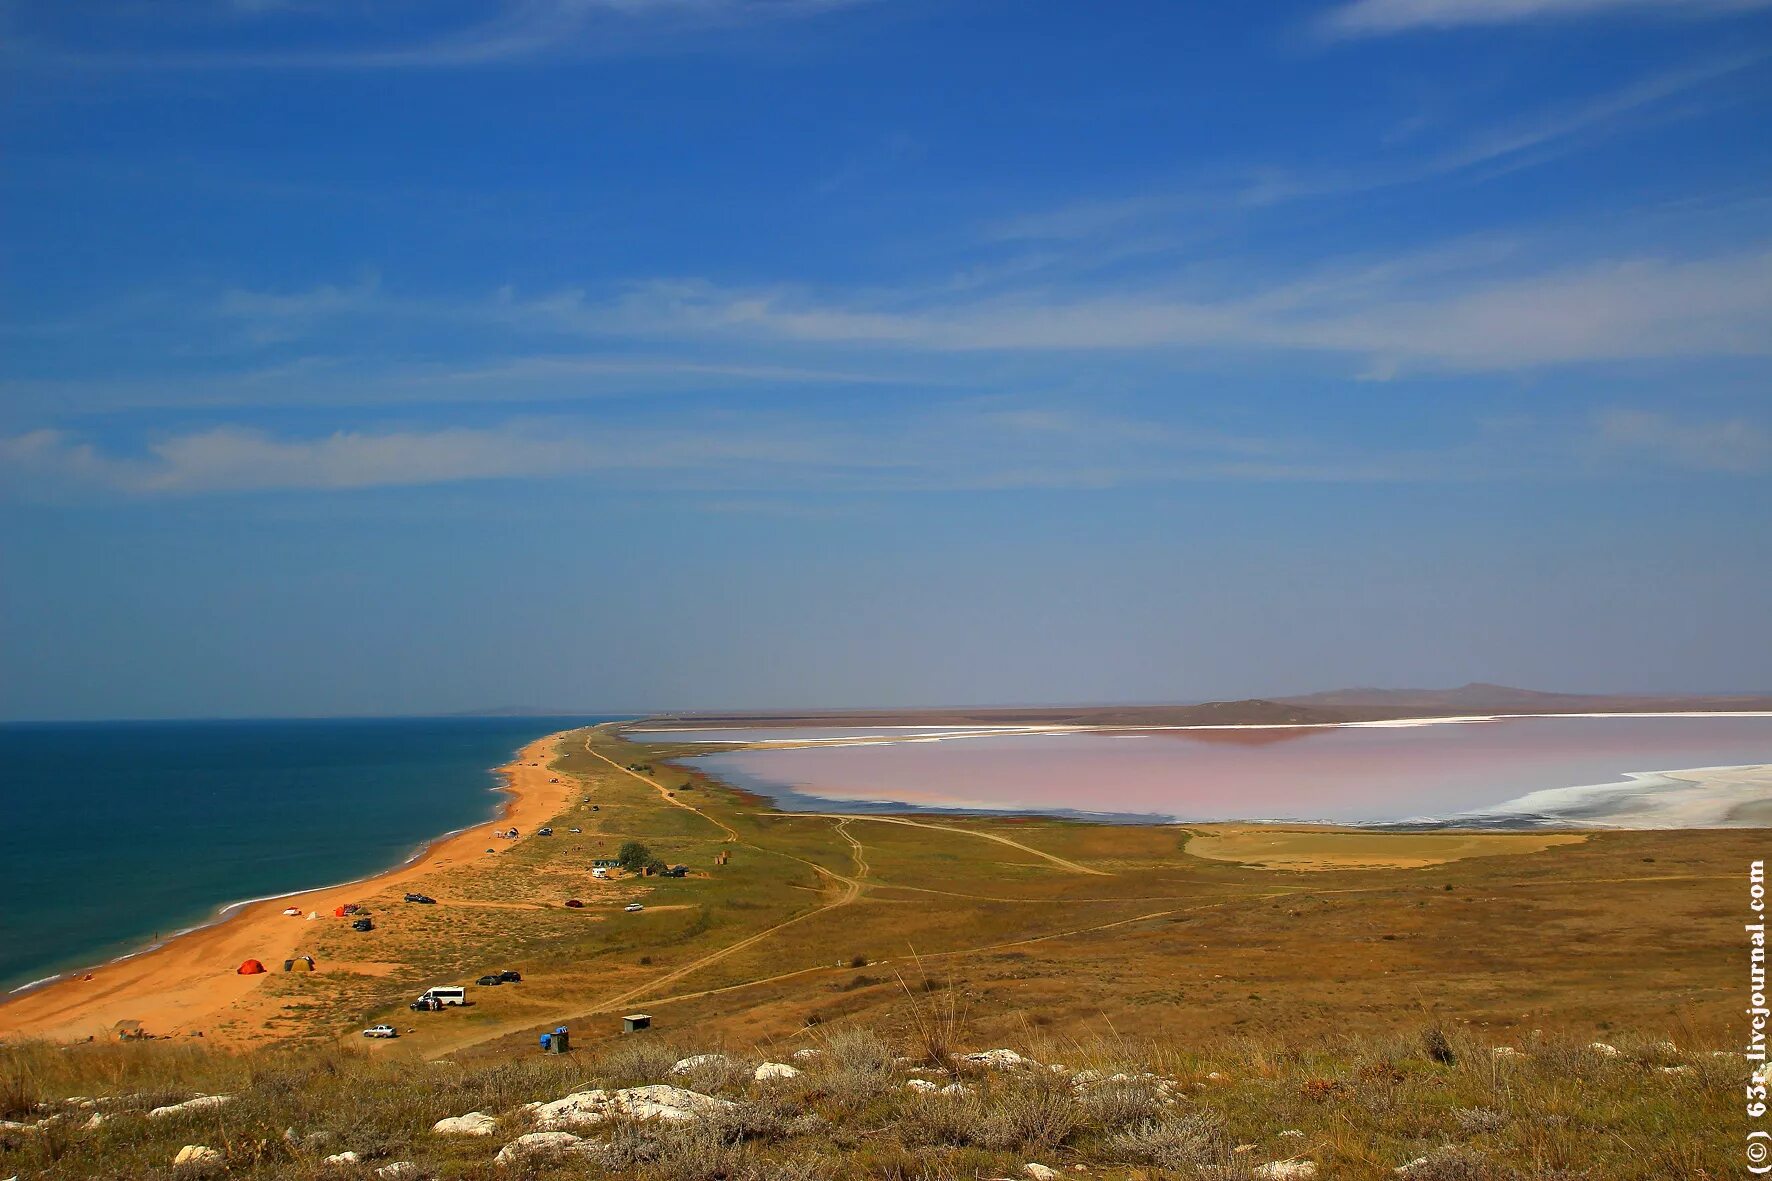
(200, 1103)
(95, 1121)
(195, 1155)
(697, 1062)
(771, 1071)
(1410, 1168)
(1214, 1077)
(542, 1144)
(1084, 1077)
(660, 1101)
(1667, 1047)
(1505, 1052)
(954, 1089)
(922, 1086)
(342, 1160)
(1286, 1170)
(474, 1123)
(1604, 1050)
(1039, 1172)
(805, 1055)
(400, 1170)
(998, 1059)
(1676, 1070)
(1289, 1133)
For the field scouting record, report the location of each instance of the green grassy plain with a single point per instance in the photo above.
(1051, 936)
(1631, 930)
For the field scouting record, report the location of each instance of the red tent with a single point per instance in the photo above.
(339, 913)
(250, 968)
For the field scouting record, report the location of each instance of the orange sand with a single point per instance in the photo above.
(189, 985)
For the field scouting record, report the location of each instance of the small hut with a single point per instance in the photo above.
(635, 1022)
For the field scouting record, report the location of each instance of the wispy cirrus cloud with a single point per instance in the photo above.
(1525, 140)
(347, 37)
(966, 444)
(1365, 18)
(1476, 306)
(1439, 314)
(1732, 445)
(749, 459)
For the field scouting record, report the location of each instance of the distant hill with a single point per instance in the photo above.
(1339, 705)
(1479, 698)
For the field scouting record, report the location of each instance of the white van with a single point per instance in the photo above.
(446, 996)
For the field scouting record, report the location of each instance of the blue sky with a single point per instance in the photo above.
(634, 354)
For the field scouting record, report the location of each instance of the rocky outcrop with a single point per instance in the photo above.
(542, 1144)
(200, 1103)
(660, 1102)
(196, 1156)
(474, 1123)
(771, 1072)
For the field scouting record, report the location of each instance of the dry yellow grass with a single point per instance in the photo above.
(1326, 849)
(1032, 923)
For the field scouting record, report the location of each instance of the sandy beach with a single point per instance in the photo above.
(189, 985)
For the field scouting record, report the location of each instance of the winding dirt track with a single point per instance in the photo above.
(853, 887)
(664, 793)
(1072, 866)
(852, 890)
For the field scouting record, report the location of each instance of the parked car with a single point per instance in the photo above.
(362, 924)
(488, 981)
(424, 898)
(633, 907)
(381, 1031)
(574, 904)
(544, 832)
(575, 829)
(510, 977)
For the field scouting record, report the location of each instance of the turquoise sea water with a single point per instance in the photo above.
(114, 833)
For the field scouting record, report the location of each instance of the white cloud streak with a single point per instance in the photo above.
(1394, 315)
(1529, 140)
(1365, 18)
(980, 444)
(518, 30)
(1735, 445)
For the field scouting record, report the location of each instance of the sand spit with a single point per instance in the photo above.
(188, 984)
(1696, 797)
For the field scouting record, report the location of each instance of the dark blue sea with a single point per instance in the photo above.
(117, 833)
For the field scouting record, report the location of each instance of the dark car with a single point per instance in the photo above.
(362, 924)
(574, 904)
(424, 898)
(425, 1004)
(510, 977)
(488, 981)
